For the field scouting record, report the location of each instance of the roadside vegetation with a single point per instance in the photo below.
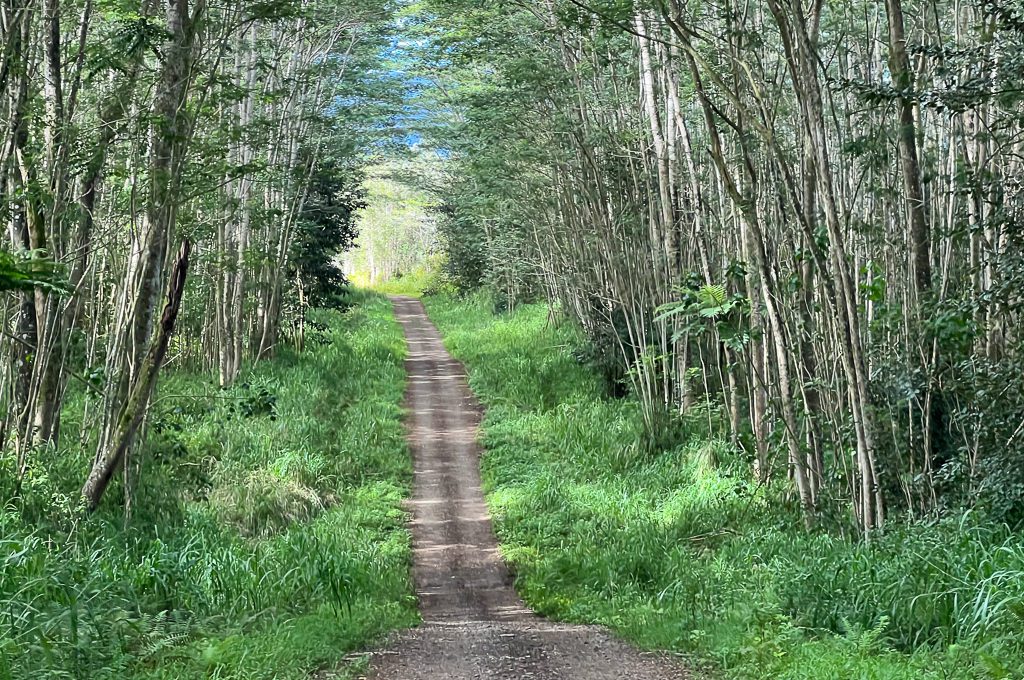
(413, 284)
(673, 545)
(265, 537)
(201, 453)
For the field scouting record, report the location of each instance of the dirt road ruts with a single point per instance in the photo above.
(474, 624)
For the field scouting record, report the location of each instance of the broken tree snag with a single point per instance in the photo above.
(135, 407)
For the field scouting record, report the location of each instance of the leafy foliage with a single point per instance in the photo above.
(325, 229)
(28, 271)
(703, 308)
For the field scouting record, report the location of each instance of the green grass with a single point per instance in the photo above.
(425, 279)
(267, 538)
(676, 549)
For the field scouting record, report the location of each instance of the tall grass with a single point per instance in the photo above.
(266, 539)
(676, 548)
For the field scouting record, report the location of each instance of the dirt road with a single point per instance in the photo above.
(475, 626)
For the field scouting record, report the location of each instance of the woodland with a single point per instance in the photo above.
(738, 280)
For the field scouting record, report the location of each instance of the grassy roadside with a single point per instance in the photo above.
(675, 550)
(413, 283)
(267, 539)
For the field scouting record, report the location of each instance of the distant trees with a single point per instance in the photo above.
(803, 216)
(132, 132)
(397, 230)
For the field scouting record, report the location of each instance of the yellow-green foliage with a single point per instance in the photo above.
(414, 283)
(397, 235)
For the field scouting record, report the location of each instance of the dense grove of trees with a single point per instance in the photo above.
(168, 166)
(799, 221)
(792, 230)
(798, 218)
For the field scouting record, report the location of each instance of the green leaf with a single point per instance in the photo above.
(30, 270)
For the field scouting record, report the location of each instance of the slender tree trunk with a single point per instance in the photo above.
(134, 412)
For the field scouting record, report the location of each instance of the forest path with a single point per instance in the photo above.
(474, 624)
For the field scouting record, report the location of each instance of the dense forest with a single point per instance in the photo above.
(176, 180)
(790, 228)
(187, 153)
(803, 217)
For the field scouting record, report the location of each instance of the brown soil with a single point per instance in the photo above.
(474, 624)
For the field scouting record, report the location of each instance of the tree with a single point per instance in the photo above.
(132, 130)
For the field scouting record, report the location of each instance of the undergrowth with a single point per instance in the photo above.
(675, 548)
(266, 538)
(427, 279)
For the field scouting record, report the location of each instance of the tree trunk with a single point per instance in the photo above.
(137, 404)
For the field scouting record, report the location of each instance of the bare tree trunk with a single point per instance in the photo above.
(134, 411)
(903, 79)
(170, 133)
